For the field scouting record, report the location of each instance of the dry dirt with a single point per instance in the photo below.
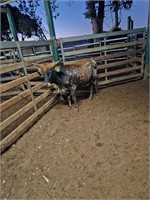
(100, 153)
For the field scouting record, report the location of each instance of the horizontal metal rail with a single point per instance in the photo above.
(102, 35)
(12, 44)
(103, 48)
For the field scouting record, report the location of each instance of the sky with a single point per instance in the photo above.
(71, 21)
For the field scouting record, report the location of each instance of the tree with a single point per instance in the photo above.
(116, 6)
(5, 30)
(95, 12)
(30, 6)
(26, 25)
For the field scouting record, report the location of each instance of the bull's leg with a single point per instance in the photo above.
(74, 97)
(94, 85)
(96, 89)
(94, 81)
(69, 102)
(75, 103)
(91, 92)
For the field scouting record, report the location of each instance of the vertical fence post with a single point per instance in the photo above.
(131, 24)
(62, 49)
(147, 64)
(128, 25)
(12, 24)
(51, 29)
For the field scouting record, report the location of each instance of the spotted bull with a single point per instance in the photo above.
(70, 77)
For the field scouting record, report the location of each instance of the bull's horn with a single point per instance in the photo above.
(93, 61)
(55, 64)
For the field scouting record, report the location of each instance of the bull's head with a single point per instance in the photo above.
(47, 69)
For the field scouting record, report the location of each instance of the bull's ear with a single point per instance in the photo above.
(36, 64)
(40, 69)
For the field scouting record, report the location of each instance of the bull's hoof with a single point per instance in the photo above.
(58, 91)
(97, 97)
(55, 86)
(69, 107)
(47, 85)
(76, 110)
(90, 98)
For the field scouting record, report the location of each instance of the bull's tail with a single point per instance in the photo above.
(94, 67)
(94, 81)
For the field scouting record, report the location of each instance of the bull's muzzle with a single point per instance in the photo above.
(47, 84)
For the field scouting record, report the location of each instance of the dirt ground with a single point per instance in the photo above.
(100, 153)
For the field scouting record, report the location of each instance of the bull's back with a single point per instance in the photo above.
(80, 75)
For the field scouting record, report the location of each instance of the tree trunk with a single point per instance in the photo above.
(97, 25)
(97, 15)
(116, 9)
(116, 18)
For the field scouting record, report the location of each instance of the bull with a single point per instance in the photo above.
(70, 77)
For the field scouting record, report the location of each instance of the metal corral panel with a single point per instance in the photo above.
(119, 55)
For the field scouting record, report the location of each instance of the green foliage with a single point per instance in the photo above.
(54, 7)
(91, 9)
(119, 5)
(5, 30)
(28, 24)
(30, 7)
(94, 9)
